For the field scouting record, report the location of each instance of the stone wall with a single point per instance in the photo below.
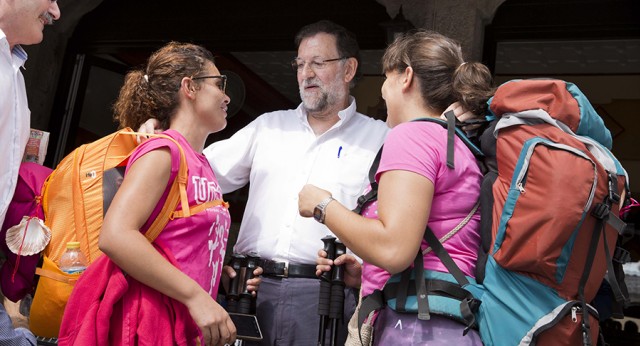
(463, 20)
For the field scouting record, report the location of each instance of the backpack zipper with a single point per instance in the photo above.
(561, 312)
(526, 160)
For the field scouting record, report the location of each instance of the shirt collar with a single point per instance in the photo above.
(20, 53)
(17, 52)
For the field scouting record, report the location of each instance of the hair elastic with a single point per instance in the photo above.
(146, 78)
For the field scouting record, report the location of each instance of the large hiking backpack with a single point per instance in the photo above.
(549, 217)
(75, 198)
(549, 224)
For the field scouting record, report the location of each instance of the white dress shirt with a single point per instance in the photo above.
(14, 119)
(278, 153)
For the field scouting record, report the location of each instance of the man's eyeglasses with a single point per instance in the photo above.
(316, 64)
(223, 81)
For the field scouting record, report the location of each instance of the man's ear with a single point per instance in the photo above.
(350, 71)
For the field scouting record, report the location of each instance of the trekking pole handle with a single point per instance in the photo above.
(338, 271)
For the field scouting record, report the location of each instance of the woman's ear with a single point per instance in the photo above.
(407, 78)
(187, 87)
(351, 68)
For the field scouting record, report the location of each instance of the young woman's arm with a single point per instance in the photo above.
(392, 241)
(121, 240)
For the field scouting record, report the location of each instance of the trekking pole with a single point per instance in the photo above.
(337, 294)
(237, 262)
(246, 300)
(325, 290)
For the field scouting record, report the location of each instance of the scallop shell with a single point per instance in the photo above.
(28, 237)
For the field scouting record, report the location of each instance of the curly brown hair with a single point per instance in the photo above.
(153, 92)
(438, 64)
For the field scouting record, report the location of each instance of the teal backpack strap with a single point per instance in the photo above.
(467, 305)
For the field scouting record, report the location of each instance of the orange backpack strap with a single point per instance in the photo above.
(55, 276)
(177, 193)
(200, 207)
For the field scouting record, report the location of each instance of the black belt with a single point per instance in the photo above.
(284, 270)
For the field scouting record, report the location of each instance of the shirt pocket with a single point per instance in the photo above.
(351, 175)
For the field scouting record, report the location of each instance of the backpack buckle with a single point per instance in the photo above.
(613, 189)
(621, 255)
(601, 211)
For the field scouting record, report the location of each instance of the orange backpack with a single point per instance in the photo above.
(76, 196)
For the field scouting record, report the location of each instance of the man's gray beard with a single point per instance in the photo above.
(320, 105)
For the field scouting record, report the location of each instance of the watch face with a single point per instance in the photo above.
(317, 214)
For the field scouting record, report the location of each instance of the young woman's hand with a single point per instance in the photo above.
(309, 197)
(212, 319)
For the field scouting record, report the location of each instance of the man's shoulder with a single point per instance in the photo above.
(370, 123)
(286, 115)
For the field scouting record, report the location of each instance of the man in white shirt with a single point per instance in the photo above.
(324, 142)
(21, 23)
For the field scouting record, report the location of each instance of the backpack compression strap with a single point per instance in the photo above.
(603, 214)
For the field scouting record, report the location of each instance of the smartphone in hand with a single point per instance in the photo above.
(247, 326)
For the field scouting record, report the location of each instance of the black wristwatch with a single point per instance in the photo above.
(319, 210)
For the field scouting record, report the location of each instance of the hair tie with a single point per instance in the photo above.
(464, 62)
(146, 78)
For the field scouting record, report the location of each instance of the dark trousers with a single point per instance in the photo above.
(287, 311)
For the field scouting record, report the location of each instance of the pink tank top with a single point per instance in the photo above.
(199, 242)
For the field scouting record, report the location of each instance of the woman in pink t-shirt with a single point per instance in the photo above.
(425, 75)
(182, 88)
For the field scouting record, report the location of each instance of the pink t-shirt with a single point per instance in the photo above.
(199, 242)
(421, 147)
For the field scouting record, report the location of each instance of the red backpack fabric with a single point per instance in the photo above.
(17, 273)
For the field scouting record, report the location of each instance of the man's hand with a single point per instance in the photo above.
(462, 115)
(149, 126)
(252, 284)
(352, 268)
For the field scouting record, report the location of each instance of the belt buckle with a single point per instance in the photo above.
(285, 273)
